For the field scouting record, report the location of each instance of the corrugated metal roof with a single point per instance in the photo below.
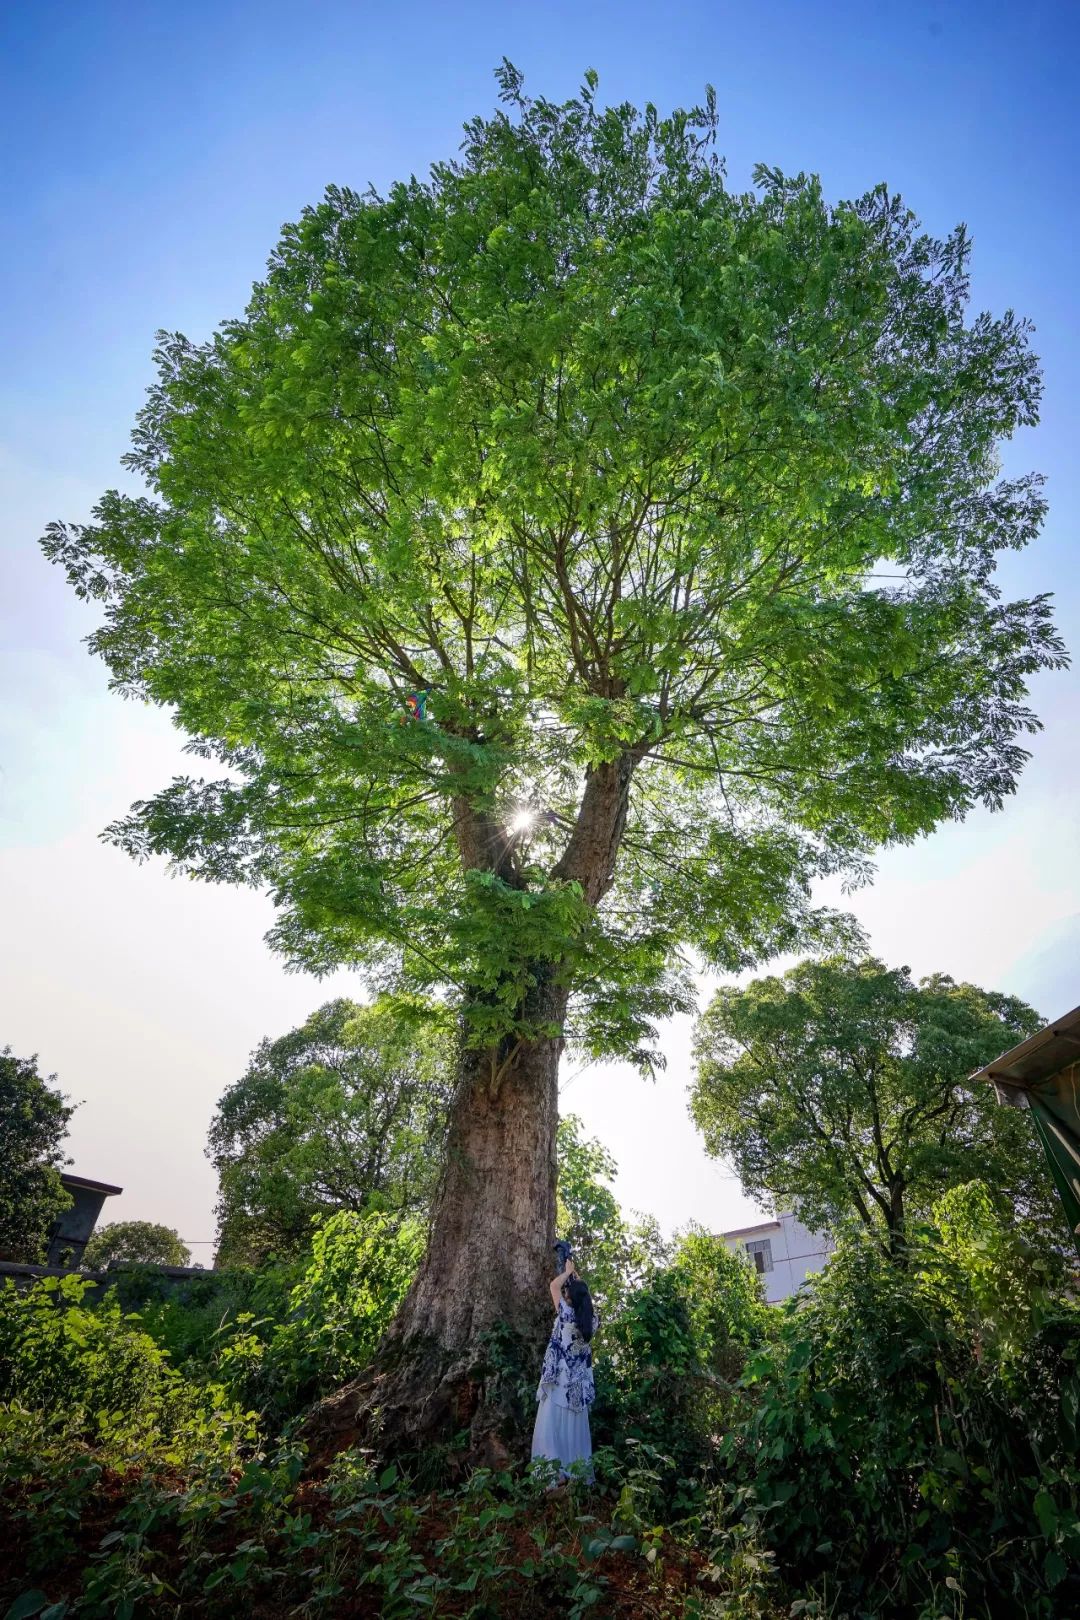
(1040, 1057)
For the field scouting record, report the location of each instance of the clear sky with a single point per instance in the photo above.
(150, 154)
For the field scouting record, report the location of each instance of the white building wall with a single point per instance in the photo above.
(796, 1252)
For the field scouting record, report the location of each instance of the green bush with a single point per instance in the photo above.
(190, 1317)
(361, 1541)
(97, 1379)
(280, 1337)
(360, 1268)
(911, 1435)
(900, 1441)
(672, 1353)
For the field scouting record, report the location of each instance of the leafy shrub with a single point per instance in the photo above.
(95, 1380)
(672, 1353)
(190, 1317)
(280, 1337)
(360, 1268)
(47, 1480)
(99, 1378)
(207, 1523)
(902, 1441)
(85, 1393)
(912, 1432)
(364, 1542)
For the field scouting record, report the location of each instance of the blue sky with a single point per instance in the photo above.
(151, 153)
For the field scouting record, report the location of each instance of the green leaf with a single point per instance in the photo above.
(1046, 1512)
(430, 386)
(1055, 1567)
(29, 1603)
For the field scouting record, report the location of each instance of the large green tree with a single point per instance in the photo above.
(140, 1243)
(840, 1088)
(562, 561)
(33, 1124)
(612, 1253)
(348, 1112)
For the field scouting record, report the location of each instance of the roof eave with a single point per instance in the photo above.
(1012, 1067)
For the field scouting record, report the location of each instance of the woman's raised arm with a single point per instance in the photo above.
(556, 1284)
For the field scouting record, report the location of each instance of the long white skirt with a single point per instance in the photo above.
(561, 1435)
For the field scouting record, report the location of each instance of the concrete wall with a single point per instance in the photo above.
(795, 1252)
(25, 1275)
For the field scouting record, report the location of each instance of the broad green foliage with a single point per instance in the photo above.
(98, 1379)
(192, 1319)
(588, 1211)
(100, 1369)
(840, 1088)
(911, 1437)
(724, 1294)
(142, 1243)
(335, 1316)
(346, 1112)
(901, 1442)
(680, 503)
(33, 1123)
(362, 1541)
(613, 1254)
(673, 1349)
(126, 1490)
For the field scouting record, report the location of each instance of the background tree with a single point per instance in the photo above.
(587, 1210)
(614, 1254)
(564, 560)
(33, 1124)
(348, 1112)
(840, 1088)
(143, 1243)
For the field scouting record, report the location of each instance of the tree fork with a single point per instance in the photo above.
(481, 1291)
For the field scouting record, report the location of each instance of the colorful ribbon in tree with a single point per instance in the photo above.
(415, 706)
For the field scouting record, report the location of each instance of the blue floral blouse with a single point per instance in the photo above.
(567, 1374)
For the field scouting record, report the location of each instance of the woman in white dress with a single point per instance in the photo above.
(567, 1390)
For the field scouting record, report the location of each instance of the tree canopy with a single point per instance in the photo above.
(143, 1243)
(840, 1088)
(33, 1124)
(348, 1112)
(566, 558)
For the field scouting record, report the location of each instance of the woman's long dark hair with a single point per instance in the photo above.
(582, 1306)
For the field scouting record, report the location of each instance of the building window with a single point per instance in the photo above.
(760, 1252)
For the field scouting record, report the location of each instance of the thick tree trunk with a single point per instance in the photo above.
(463, 1353)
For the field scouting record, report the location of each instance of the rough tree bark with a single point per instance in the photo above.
(467, 1341)
(473, 1323)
